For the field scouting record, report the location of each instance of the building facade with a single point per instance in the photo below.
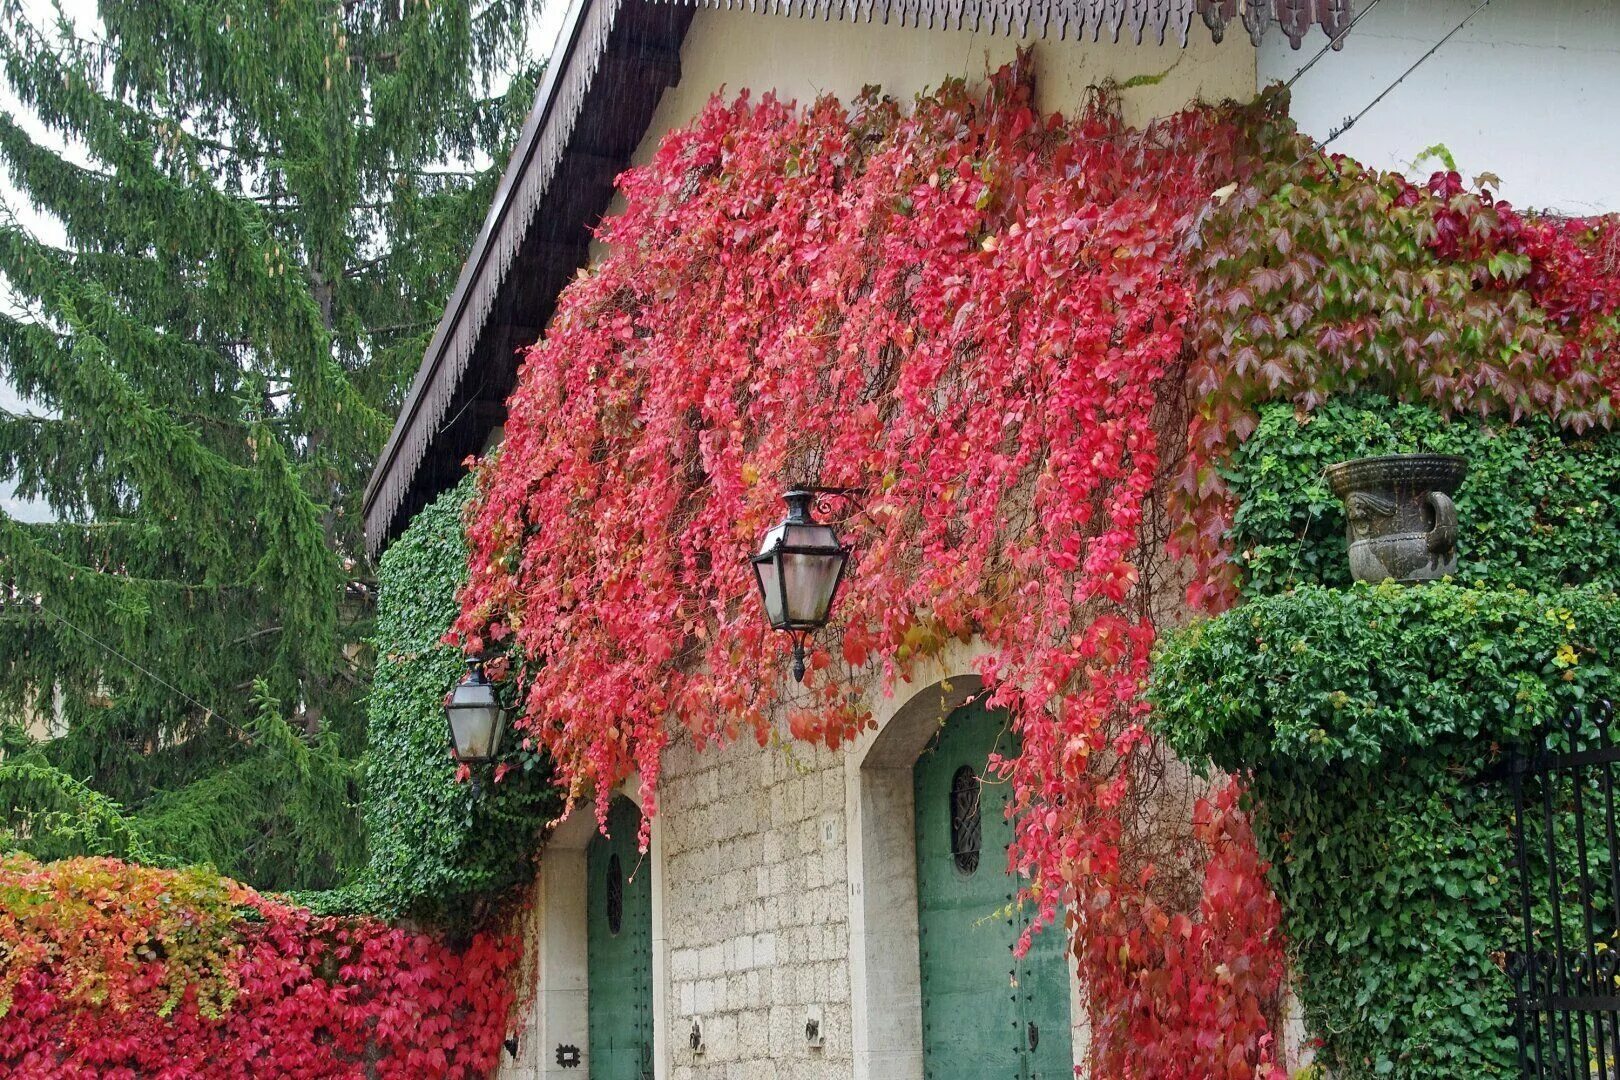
(801, 913)
(1521, 90)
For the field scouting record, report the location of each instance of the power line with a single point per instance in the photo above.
(1323, 51)
(148, 672)
(1351, 122)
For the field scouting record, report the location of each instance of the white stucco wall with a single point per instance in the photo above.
(802, 58)
(1529, 90)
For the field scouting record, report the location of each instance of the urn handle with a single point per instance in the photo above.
(1442, 537)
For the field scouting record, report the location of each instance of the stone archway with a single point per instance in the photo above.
(885, 960)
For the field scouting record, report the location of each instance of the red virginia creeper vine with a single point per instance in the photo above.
(991, 321)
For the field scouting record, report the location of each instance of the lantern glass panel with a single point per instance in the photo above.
(799, 566)
(809, 581)
(769, 572)
(768, 567)
(477, 721)
(812, 562)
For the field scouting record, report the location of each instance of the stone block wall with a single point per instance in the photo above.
(756, 912)
(755, 927)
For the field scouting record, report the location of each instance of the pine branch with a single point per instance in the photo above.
(64, 812)
(257, 233)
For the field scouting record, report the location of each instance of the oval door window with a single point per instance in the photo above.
(965, 824)
(615, 894)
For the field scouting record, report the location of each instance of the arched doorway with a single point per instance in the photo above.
(618, 945)
(985, 1013)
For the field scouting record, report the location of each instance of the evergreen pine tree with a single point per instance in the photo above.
(265, 206)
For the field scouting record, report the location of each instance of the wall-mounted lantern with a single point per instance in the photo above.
(799, 566)
(475, 716)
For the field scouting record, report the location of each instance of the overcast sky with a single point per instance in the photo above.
(83, 13)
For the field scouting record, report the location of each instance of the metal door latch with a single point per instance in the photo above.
(696, 1039)
(813, 1034)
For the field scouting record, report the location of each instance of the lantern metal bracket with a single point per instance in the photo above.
(826, 497)
(826, 500)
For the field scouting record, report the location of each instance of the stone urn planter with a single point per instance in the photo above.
(1402, 522)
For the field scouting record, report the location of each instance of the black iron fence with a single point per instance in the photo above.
(1566, 971)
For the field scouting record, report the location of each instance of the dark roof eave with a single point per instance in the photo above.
(478, 263)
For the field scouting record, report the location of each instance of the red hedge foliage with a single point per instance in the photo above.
(114, 970)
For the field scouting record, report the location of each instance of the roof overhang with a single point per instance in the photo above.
(613, 61)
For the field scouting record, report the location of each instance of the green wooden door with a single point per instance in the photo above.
(986, 1015)
(618, 942)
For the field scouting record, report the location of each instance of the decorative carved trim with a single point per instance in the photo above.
(539, 153)
(1296, 17)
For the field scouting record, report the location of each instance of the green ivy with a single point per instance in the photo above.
(1372, 723)
(1539, 508)
(1321, 679)
(1368, 722)
(438, 851)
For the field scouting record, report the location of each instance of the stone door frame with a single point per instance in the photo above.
(885, 972)
(559, 1016)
